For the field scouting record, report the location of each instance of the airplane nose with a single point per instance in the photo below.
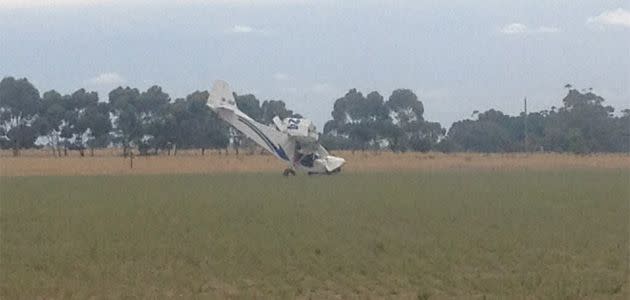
(334, 162)
(340, 161)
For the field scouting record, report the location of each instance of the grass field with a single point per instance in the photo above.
(111, 162)
(465, 234)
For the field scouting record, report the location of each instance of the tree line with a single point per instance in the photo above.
(152, 122)
(583, 124)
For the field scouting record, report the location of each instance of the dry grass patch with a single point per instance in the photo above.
(108, 162)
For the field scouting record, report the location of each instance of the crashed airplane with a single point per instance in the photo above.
(295, 141)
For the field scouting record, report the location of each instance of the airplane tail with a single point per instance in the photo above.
(221, 96)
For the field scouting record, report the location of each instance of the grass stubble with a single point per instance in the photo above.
(111, 162)
(447, 234)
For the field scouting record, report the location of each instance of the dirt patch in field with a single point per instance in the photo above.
(110, 162)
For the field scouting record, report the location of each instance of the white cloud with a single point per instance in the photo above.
(281, 76)
(514, 28)
(618, 17)
(519, 28)
(246, 29)
(241, 29)
(106, 79)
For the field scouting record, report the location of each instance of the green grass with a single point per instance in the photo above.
(560, 235)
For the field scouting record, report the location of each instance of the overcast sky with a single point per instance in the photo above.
(458, 56)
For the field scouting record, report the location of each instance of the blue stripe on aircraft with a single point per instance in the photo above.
(279, 151)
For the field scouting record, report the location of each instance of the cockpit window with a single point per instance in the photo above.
(308, 160)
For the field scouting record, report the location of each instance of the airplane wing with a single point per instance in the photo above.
(221, 100)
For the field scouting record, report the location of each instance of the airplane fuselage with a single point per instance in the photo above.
(300, 153)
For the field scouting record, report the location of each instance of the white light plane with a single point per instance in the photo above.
(292, 140)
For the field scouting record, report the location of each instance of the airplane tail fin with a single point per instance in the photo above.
(221, 96)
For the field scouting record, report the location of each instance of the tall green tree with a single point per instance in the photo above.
(96, 119)
(19, 105)
(74, 124)
(150, 107)
(208, 131)
(273, 108)
(582, 125)
(137, 115)
(363, 121)
(51, 114)
(250, 105)
(622, 132)
(414, 132)
(369, 122)
(478, 136)
(124, 105)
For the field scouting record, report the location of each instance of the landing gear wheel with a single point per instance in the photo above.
(288, 172)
